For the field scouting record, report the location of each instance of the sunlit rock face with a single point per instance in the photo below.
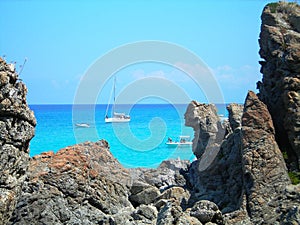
(17, 124)
(244, 174)
(264, 171)
(209, 131)
(280, 86)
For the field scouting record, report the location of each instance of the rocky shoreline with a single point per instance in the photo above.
(241, 175)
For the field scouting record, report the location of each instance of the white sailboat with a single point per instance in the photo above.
(116, 117)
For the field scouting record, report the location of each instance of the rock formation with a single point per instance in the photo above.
(80, 184)
(239, 177)
(85, 184)
(246, 176)
(280, 87)
(264, 171)
(216, 175)
(17, 124)
(207, 126)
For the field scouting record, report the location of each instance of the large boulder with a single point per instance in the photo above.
(168, 174)
(172, 213)
(81, 184)
(206, 211)
(17, 124)
(142, 193)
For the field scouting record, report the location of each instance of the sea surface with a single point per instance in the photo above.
(139, 143)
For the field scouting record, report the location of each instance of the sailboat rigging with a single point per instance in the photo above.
(115, 117)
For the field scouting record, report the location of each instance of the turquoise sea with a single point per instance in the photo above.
(139, 143)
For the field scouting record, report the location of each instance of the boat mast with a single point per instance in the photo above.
(112, 92)
(113, 109)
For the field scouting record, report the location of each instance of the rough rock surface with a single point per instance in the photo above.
(207, 125)
(206, 211)
(169, 173)
(217, 175)
(85, 184)
(247, 178)
(239, 176)
(280, 86)
(265, 173)
(17, 124)
(81, 184)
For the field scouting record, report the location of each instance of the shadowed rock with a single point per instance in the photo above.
(280, 87)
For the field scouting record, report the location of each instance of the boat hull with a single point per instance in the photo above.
(84, 125)
(117, 120)
(179, 144)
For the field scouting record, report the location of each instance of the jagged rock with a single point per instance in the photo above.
(206, 123)
(145, 213)
(206, 211)
(220, 180)
(168, 174)
(239, 176)
(177, 194)
(287, 205)
(17, 124)
(142, 193)
(79, 184)
(265, 173)
(280, 86)
(235, 112)
(172, 213)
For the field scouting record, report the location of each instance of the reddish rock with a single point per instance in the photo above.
(265, 173)
(81, 179)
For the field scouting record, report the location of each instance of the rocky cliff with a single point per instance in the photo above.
(244, 174)
(240, 175)
(280, 87)
(17, 124)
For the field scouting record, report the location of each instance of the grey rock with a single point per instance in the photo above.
(207, 125)
(235, 112)
(279, 89)
(72, 187)
(145, 213)
(217, 175)
(169, 173)
(17, 124)
(172, 213)
(142, 193)
(206, 211)
(176, 194)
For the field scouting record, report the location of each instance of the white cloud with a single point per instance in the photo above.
(139, 74)
(244, 75)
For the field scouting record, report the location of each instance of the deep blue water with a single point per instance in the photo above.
(139, 143)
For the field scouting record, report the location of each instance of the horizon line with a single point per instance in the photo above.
(226, 103)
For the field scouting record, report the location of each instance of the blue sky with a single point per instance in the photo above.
(62, 39)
